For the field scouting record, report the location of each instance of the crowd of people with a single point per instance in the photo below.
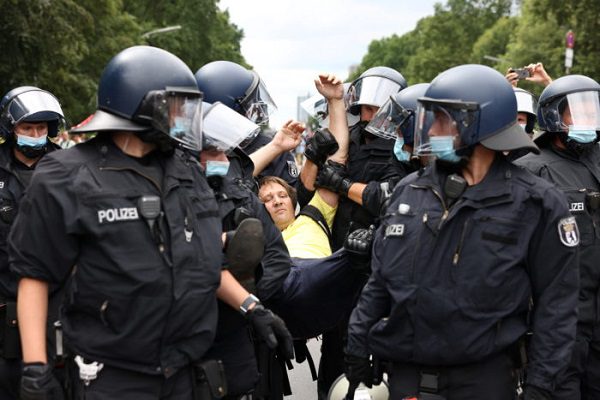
(440, 237)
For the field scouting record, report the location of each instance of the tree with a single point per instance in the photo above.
(63, 45)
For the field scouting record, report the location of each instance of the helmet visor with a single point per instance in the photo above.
(442, 118)
(315, 106)
(371, 90)
(582, 111)
(177, 112)
(388, 121)
(224, 129)
(258, 104)
(34, 106)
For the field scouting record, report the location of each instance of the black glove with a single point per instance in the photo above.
(321, 145)
(359, 243)
(357, 370)
(535, 393)
(271, 329)
(38, 383)
(332, 176)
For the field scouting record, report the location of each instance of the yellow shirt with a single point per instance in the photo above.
(304, 238)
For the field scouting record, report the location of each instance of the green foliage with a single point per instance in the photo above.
(63, 45)
(485, 32)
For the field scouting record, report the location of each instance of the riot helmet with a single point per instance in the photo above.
(316, 107)
(373, 87)
(238, 88)
(464, 106)
(527, 104)
(151, 92)
(578, 95)
(339, 389)
(224, 129)
(29, 104)
(396, 117)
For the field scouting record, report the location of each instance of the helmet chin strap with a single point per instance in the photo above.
(163, 143)
(456, 167)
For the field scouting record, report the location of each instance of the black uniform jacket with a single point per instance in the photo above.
(578, 178)
(453, 285)
(368, 163)
(12, 188)
(135, 300)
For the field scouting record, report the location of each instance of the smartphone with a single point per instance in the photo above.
(522, 73)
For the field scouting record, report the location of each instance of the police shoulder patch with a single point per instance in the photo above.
(292, 169)
(568, 232)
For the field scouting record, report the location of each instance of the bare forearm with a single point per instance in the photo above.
(338, 126)
(230, 291)
(32, 310)
(308, 175)
(263, 157)
(356, 191)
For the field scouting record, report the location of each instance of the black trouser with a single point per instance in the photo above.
(10, 374)
(581, 379)
(115, 383)
(490, 379)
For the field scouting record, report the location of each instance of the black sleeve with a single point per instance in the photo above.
(42, 243)
(373, 304)
(553, 271)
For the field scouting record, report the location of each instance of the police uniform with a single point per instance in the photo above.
(140, 299)
(367, 163)
(283, 166)
(377, 194)
(233, 343)
(14, 177)
(451, 286)
(579, 179)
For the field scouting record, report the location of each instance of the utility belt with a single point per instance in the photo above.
(10, 343)
(209, 381)
(426, 377)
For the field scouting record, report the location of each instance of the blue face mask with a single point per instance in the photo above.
(400, 154)
(442, 147)
(217, 168)
(27, 141)
(581, 135)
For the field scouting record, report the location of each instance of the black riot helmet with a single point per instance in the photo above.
(152, 92)
(472, 104)
(29, 104)
(373, 87)
(527, 104)
(579, 93)
(238, 88)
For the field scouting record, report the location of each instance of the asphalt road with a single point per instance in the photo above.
(303, 387)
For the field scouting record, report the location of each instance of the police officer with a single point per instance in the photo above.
(396, 120)
(139, 239)
(569, 114)
(367, 169)
(246, 93)
(224, 130)
(28, 117)
(463, 247)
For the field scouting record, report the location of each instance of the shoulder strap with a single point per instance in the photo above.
(313, 213)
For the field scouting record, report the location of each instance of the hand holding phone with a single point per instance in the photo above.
(522, 73)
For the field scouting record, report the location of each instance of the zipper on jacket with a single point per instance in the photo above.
(456, 256)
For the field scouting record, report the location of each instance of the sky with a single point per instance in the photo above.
(289, 42)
